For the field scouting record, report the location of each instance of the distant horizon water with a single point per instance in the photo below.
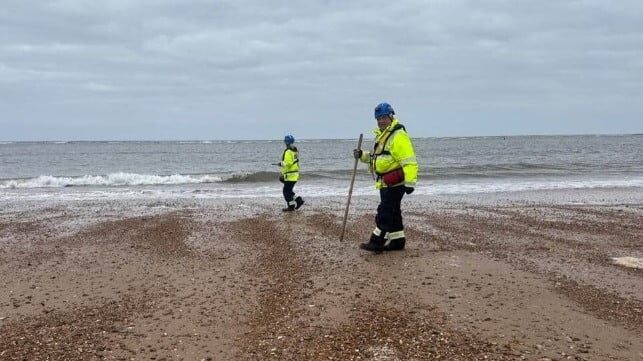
(367, 135)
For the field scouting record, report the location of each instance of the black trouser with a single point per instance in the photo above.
(289, 194)
(389, 212)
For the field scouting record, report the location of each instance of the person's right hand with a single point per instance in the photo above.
(357, 153)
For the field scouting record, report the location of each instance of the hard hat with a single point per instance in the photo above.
(383, 109)
(289, 139)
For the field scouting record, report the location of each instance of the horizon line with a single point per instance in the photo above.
(308, 139)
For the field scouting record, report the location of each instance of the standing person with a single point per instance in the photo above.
(290, 174)
(394, 167)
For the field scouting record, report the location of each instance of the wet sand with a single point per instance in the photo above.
(497, 277)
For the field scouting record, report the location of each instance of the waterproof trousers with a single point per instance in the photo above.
(389, 212)
(289, 194)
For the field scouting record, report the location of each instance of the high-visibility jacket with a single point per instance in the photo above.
(290, 164)
(392, 151)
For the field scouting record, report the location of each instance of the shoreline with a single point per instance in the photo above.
(506, 276)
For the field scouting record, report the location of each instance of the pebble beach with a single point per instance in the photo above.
(541, 275)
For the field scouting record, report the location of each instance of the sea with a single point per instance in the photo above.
(82, 170)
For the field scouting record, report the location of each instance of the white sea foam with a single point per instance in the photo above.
(128, 186)
(631, 262)
(519, 186)
(115, 179)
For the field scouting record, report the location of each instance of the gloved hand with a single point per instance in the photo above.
(357, 153)
(408, 190)
(279, 164)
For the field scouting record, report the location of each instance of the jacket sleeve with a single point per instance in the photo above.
(402, 151)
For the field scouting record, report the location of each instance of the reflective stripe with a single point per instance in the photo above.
(291, 176)
(395, 235)
(410, 184)
(410, 160)
(384, 156)
(377, 232)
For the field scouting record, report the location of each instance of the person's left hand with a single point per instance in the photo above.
(408, 190)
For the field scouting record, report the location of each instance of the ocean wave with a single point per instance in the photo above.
(251, 177)
(253, 191)
(115, 179)
(133, 179)
(455, 175)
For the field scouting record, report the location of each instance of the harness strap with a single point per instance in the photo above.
(382, 142)
(380, 145)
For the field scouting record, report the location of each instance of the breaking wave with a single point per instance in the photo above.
(115, 179)
(134, 179)
(252, 177)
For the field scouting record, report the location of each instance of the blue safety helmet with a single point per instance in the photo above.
(289, 139)
(383, 109)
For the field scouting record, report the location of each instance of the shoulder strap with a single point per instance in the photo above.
(379, 146)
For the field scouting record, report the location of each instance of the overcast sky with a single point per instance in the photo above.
(259, 69)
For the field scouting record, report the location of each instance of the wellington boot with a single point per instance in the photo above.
(371, 246)
(396, 244)
(289, 209)
(300, 202)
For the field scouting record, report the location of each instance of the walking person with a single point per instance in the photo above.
(290, 174)
(394, 168)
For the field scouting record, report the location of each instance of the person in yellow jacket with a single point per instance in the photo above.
(290, 174)
(394, 167)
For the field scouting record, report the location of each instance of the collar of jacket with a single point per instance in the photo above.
(379, 132)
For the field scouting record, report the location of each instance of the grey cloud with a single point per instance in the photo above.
(120, 67)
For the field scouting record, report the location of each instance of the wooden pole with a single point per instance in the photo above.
(350, 189)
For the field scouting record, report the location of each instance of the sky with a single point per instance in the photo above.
(258, 69)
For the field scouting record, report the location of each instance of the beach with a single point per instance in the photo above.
(496, 276)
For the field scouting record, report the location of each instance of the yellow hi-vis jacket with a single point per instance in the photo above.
(392, 150)
(290, 164)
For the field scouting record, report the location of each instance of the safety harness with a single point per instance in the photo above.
(378, 149)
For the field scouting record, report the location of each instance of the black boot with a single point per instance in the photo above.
(396, 244)
(289, 209)
(375, 244)
(300, 202)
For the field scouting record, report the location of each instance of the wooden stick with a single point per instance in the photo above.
(350, 190)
